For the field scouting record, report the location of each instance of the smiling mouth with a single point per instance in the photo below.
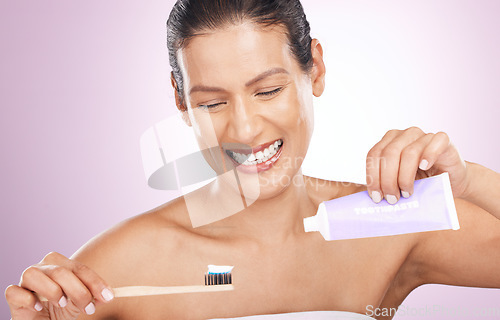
(256, 157)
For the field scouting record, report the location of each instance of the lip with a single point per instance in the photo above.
(254, 150)
(260, 167)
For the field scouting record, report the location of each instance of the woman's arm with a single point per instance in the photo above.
(120, 255)
(469, 256)
(483, 188)
(75, 286)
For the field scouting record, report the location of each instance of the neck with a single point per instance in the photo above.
(276, 219)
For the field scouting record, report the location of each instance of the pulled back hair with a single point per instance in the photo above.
(189, 18)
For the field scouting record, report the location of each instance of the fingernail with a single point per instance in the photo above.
(107, 294)
(38, 306)
(405, 194)
(63, 302)
(391, 199)
(423, 164)
(376, 196)
(90, 308)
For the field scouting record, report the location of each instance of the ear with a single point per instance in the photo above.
(318, 70)
(179, 101)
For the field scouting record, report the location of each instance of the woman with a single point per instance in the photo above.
(244, 73)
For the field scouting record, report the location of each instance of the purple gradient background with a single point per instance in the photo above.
(81, 81)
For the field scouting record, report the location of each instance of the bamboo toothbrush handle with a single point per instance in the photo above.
(135, 291)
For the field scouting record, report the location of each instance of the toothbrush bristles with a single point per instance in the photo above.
(217, 278)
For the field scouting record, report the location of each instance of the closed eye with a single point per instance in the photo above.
(270, 93)
(265, 94)
(211, 106)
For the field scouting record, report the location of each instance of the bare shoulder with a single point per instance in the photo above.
(120, 255)
(137, 236)
(130, 234)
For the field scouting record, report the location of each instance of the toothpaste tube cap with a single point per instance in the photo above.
(311, 224)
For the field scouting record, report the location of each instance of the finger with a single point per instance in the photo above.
(410, 159)
(99, 289)
(97, 286)
(373, 165)
(373, 174)
(73, 288)
(37, 281)
(20, 298)
(389, 172)
(437, 146)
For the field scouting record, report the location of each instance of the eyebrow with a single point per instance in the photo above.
(265, 74)
(258, 78)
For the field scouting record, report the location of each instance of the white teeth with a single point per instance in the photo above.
(259, 157)
(237, 156)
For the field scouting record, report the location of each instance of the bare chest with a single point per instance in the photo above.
(343, 275)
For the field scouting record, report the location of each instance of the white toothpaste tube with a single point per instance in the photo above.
(431, 207)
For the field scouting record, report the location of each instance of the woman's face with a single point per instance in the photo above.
(250, 103)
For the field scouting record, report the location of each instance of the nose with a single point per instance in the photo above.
(245, 123)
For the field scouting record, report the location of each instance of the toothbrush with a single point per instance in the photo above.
(213, 282)
(218, 278)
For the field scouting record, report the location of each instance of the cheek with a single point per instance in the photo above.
(305, 97)
(299, 115)
(306, 117)
(204, 128)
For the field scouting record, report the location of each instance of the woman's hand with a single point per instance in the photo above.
(403, 156)
(70, 287)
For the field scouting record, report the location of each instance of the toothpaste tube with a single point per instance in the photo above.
(431, 207)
